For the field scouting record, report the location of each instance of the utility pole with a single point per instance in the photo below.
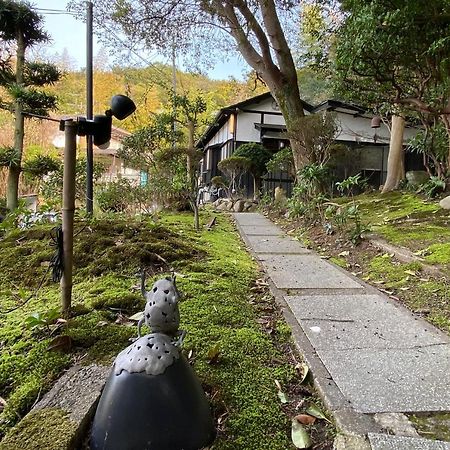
(89, 109)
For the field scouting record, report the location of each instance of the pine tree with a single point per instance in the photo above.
(22, 80)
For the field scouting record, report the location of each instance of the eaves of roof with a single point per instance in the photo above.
(332, 105)
(223, 115)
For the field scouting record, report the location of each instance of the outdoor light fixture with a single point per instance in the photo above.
(100, 126)
(376, 122)
(100, 129)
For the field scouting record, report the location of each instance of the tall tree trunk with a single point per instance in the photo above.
(256, 187)
(395, 157)
(12, 193)
(287, 95)
(446, 120)
(191, 181)
(272, 60)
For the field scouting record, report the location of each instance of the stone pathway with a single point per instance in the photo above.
(370, 357)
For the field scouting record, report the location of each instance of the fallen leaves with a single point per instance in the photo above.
(315, 411)
(305, 419)
(213, 354)
(301, 423)
(60, 344)
(300, 437)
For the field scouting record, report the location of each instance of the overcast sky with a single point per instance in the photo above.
(68, 33)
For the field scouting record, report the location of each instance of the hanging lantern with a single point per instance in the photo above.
(376, 122)
(153, 399)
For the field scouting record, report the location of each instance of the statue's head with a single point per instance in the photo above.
(161, 310)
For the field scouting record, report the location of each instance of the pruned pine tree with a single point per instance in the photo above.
(22, 80)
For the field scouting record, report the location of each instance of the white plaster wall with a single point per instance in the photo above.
(351, 128)
(274, 119)
(246, 130)
(265, 105)
(358, 129)
(222, 135)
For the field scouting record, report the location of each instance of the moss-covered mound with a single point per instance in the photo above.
(235, 357)
(48, 429)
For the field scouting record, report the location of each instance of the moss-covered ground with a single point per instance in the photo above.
(221, 312)
(410, 221)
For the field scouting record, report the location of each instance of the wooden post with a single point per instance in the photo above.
(68, 210)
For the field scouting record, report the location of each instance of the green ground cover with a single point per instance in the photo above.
(217, 277)
(409, 220)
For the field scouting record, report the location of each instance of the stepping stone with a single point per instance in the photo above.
(276, 244)
(392, 380)
(387, 442)
(244, 219)
(261, 230)
(305, 272)
(360, 322)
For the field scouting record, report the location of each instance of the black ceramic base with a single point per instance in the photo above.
(153, 412)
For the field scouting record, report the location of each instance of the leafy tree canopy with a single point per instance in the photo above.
(258, 156)
(396, 51)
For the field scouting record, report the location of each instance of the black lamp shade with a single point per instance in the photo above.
(153, 412)
(102, 129)
(122, 106)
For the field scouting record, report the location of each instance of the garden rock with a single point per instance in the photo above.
(280, 195)
(68, 406)
(239, 206)
(76, 392)
(247, 206)
(223, 206)
(417, 177)
(445, 203)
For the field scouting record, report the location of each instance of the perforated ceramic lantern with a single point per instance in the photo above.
(152, 399)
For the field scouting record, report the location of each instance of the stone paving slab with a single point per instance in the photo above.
(77, 391)
(251, 219)
(388, 442)
(276, 244)
(76, 394)
(305, 272)
(261, 230)
(360, 321)
(406, 380)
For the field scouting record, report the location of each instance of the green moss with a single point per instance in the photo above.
(379, 207)
(339, 261)
(417, 290)
(413, 236)
(438, 254)
(48, 429)
(432, 426)
(216, 276)
(283, 331)
(95, 334)
(393, 274)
